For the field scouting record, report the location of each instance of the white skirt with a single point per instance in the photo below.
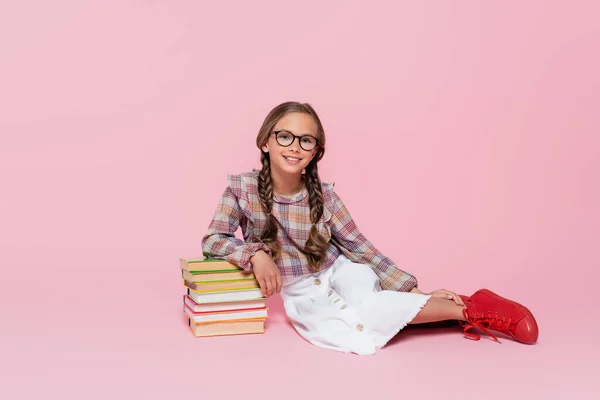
(343, 308)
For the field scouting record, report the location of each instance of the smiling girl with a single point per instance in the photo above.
(300, 240)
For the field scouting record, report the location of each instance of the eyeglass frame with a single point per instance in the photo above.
(295, 137)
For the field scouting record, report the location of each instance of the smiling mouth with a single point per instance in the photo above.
(292, 159)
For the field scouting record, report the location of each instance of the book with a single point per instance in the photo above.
(215, 316)
(209, 276)
(207, 264)
(224, 305)
(222, 285)
(222, 298)
(230, 295)
(236, 327)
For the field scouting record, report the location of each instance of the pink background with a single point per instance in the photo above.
(476, 122)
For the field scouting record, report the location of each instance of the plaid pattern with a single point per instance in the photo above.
(240, 206)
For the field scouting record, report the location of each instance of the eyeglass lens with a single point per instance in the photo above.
(286, 139)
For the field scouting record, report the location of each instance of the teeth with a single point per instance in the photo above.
(292, 159)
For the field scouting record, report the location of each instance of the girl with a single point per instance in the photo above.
(338, 290)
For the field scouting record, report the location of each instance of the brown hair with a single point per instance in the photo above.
(316, 245)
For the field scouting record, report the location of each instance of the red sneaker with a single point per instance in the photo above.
(488, 311)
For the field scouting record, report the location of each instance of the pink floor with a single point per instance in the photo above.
(66, 342)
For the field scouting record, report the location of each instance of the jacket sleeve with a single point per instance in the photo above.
(354, 245)
(220, 241)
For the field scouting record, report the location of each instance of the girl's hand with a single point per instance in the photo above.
(448, 295)
(266, 273)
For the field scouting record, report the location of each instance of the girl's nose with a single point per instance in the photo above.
(295, 144)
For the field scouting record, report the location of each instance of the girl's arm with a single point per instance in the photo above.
(357, 248)
(220, 240)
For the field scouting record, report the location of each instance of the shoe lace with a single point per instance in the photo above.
(486, 322)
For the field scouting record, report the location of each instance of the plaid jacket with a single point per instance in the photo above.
(240, 207)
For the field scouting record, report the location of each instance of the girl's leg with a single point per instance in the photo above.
(438, 309)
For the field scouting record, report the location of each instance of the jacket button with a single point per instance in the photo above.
(317, 281)
(360, 327)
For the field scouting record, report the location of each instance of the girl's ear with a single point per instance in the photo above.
(265, 148)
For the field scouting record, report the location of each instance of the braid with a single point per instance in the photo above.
(316, 245)
(265, 192)
(316, 194)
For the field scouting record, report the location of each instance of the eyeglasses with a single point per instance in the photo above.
(286, 138)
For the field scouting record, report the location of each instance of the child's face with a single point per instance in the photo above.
(293, 158)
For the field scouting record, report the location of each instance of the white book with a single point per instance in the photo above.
(226, 316)
(223, 306)
(230, 295)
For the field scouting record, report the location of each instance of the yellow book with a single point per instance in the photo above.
(203, 276)
(222, 285)
(207, 265)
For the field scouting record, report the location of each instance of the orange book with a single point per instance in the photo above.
(221, 328)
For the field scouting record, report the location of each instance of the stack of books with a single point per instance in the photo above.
(222, 298)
